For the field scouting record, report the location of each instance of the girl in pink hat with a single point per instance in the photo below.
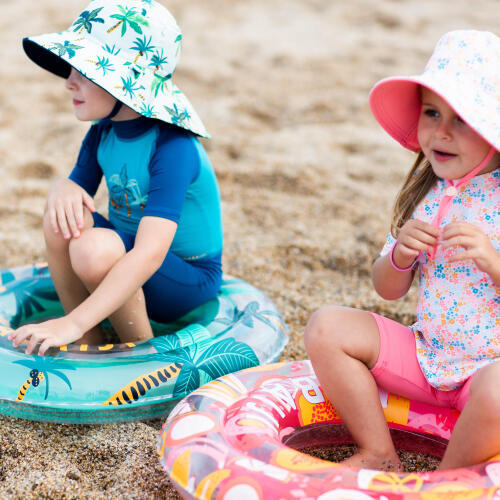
(445, 229)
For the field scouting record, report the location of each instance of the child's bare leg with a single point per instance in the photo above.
(92, 256)
(70, 289)
(476, 436)
(343, 345)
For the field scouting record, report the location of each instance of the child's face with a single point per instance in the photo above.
(90, 102)
(450, 145)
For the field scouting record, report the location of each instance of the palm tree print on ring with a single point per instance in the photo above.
(40, 368)
(248, 315)
(31, 297)
(35, 378)
(199, 364)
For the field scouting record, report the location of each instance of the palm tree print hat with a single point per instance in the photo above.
(464, 70)
(130, 48)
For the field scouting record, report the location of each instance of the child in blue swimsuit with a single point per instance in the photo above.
(158, 254)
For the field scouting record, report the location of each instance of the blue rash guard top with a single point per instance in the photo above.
(154, 169)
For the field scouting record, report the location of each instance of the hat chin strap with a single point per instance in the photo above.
(115, 110)
(452, 190)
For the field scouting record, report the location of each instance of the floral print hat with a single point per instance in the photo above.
(130, 48)
(464, 70)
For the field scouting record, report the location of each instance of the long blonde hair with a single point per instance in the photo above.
(417, 184)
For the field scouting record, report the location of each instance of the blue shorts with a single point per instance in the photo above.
(178, 286)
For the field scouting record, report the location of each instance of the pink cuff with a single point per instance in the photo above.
(393, 264)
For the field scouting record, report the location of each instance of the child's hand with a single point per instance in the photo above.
(477, 247)
(65, 203)
(55, 332)
(414, 237)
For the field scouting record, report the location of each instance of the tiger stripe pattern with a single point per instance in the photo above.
(139, 386)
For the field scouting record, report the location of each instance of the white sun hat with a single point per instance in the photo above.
(130, 48)
(464, 70)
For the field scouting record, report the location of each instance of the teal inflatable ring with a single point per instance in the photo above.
(240, 328)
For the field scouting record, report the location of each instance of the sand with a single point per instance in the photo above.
(307, 179)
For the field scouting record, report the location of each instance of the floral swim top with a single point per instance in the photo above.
(458, 313)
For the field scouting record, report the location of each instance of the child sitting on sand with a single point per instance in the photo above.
(158, 254)
(445, 227)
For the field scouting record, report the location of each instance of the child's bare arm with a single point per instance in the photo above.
(477, 246)
(65, 202)
(389, 283)
(152, 243)
(414, 237)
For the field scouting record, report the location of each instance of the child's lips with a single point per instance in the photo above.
(442, 155)
(76, 102)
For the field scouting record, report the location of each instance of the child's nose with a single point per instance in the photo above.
(443, 129)
(71, 80)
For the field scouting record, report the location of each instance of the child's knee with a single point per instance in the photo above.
(55, 240)
(321, 328)
(92, 255)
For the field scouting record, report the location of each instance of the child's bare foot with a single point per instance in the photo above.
(369, 460)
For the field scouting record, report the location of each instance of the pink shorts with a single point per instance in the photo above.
(397, 369)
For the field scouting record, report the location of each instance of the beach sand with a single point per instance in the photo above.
(307, 179)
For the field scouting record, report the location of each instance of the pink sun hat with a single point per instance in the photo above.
(464, 70)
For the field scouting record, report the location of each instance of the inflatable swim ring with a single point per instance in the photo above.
(238, 329)
(236, 438)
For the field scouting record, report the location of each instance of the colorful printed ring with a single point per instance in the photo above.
(233, 438)
(238, 329)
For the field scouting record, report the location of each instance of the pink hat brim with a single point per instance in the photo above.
(395, 103)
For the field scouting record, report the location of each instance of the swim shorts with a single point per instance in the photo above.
(178, 286)
(397, 369)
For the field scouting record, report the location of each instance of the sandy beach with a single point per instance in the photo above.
(307, 179)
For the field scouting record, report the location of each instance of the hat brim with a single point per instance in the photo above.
(396, 104)
(59, 52)
(46, 59)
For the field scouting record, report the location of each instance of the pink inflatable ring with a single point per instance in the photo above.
(235, 438)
